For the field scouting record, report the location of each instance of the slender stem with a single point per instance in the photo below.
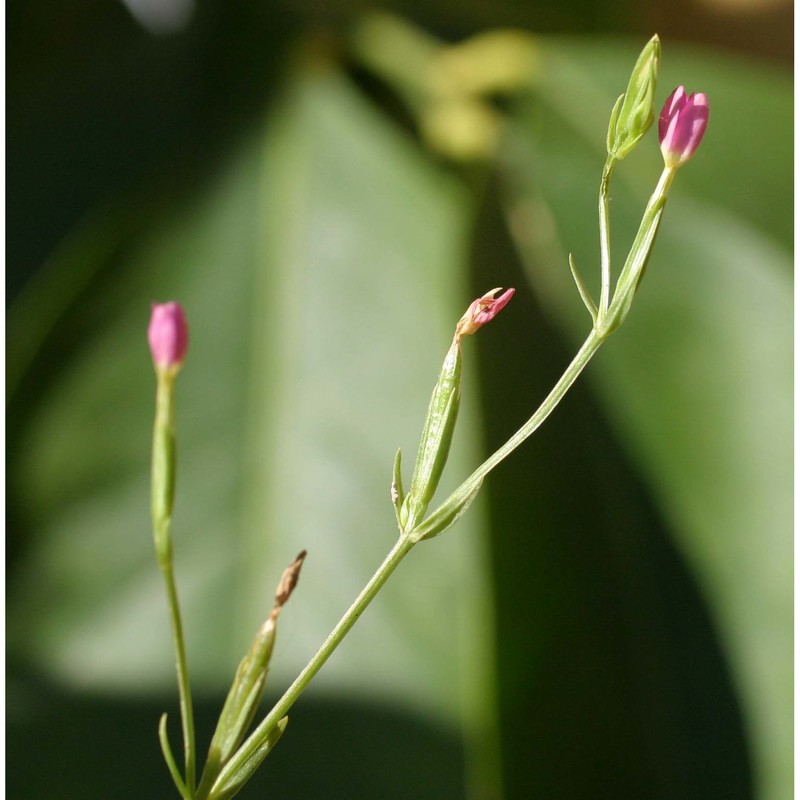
(638, 255)
(163, 476)
(640, 251)
(181, 667)
(576, 366)
(648, 228)
(395, 556)
(605, 236)
(279, 710)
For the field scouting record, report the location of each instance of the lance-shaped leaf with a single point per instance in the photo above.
(229, 785)
(170, 758)
(248, 684)
(398, 493)
(448, 513)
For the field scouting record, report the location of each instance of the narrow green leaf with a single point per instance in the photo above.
(584, 292)
(170, 758)
(398, 493)
(437, 436)
(611, 136)
(229, 785)
(446, 515)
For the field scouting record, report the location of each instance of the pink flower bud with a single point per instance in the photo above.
(168, 336)
(682, 125)
(482, 310)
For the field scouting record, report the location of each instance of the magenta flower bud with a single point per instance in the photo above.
(482, 310)
(682, 125)
(168, 336)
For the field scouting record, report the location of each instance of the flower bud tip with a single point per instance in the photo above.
(633, 112)
(682, 125)
(289, 580)
(483, 310)
(168, 335)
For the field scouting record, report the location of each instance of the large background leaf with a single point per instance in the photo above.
(639, 542)
(299, 267)
(698, 384)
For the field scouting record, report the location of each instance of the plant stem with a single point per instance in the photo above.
(279, 710)
(605, 236)
(181, 667)
(163, 477)
(576, 366)
(648, 228)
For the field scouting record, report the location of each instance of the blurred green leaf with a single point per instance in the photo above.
(321, 275)
(698, 383)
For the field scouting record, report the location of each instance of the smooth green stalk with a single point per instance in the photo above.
(605, 235)
(163, 482)
(280, 709)
(576, 366)
(636, 262)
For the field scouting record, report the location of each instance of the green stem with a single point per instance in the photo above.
(648, 228)
(636, 262)
(163, 478)
(576, 366)
(637, 258)
(605, 236)
(279, 710)
(181, 667)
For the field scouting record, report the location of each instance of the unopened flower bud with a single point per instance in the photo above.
(168, 335)
(482, 310)
(434, 446)
(681, 126)
(633, 112)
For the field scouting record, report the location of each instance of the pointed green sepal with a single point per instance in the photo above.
(240, 705)
(636, 263)
(447, 514)
(584, 292)
(229, 785)
(440, 422)
(398, 493)
(434, 445)
(247, 687)
(170, 759)
(632, 118)
(612, 124)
